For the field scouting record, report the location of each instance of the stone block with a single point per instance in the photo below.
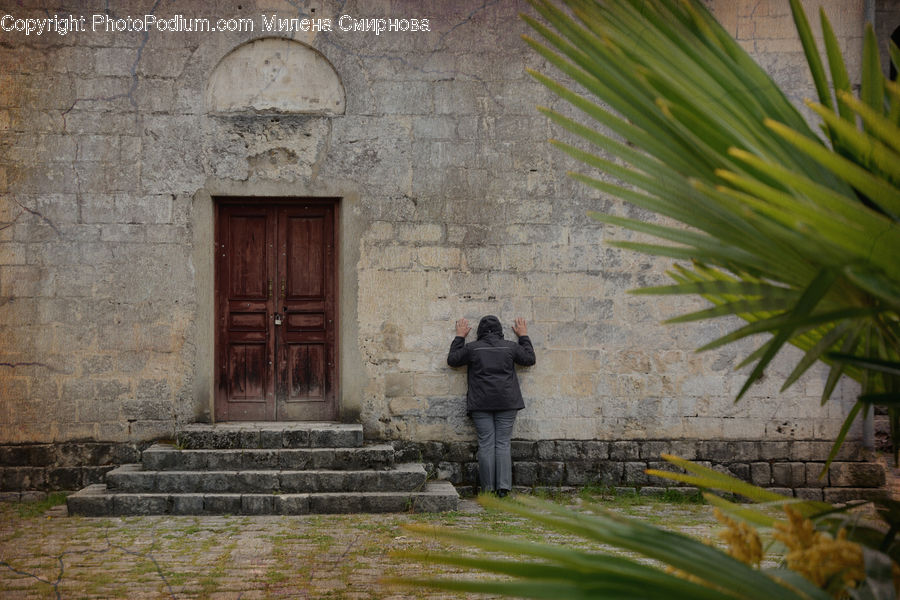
(296, 459)
(295, 438)
(23, 478)
(40, 455)
(522, 449)
(187, 504)
(470, 472)
(551, 473)
(124, 453)
(625, 450)
(856, 475)
(524, 473)
(740, 470)
(761, 474)
(222, 504)
(579, 473)
(92, 475)
(90, 502)
(429, 451)
(255, 481)
(158, 458)
(595, 450)
(65, 478)
(407, 451)
(260, 459)
(716, 451)
(465, 451)
(326, 458)
(257, 504)
(447, 471)
(810, 451)
(336, 438)
(203, 481)
(815, 494)
(546, 450)
(635, 474)
(849, 494)
(789, 474)
(813, 473)
(246, 438)
(201, 460)
(16, 456)
(398, 384)
(139, 504)
(665, 467)
(301, 482)
(128, 478)
(291, 504)
(271, 439)
(609, 473)
(652, 450)
(33, 496)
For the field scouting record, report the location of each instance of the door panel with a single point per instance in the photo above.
(248, 271)
(305, 259)
(246, 372)
(276, 311)
(245, 383)
(306, 340)
(307, 373)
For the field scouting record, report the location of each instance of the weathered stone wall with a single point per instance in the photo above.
(59, 466)
(453, 205)
(792, 468)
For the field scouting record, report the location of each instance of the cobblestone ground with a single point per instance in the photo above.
(50, 555)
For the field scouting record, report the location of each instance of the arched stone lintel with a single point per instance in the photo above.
(274, 76)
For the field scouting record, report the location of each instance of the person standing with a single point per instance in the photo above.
(493, 398)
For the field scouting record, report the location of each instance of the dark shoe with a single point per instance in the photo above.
(502, 493)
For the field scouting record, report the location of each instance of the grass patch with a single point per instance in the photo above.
(36, 508)
(620, 499)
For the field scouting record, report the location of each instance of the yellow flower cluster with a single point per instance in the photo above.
(742, 539)
(833, 563)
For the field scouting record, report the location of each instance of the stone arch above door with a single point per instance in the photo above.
(275, 76)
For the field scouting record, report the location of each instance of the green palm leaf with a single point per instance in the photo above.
(711, 142)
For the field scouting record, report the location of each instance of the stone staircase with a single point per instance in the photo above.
(265, 469)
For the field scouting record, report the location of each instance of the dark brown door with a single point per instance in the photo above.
(276, 311)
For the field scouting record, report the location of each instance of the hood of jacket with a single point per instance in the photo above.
(489, 325)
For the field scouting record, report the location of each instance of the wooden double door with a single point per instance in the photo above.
(276, 313)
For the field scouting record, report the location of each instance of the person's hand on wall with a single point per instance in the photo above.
(462, 328)
(520, 327)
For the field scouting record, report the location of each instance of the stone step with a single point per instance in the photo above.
(270, 435)
(97, 501)
(168, 457)
(133, 479)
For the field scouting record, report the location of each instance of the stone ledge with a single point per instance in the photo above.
(793, 466)
(97, 501)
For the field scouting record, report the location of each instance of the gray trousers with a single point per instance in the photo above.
(494, 429)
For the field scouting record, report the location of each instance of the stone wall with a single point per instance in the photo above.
(64, 466)
(788, 467)
(791, 468)
(453, 204)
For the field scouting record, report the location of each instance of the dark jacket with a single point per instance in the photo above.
(493, 384)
